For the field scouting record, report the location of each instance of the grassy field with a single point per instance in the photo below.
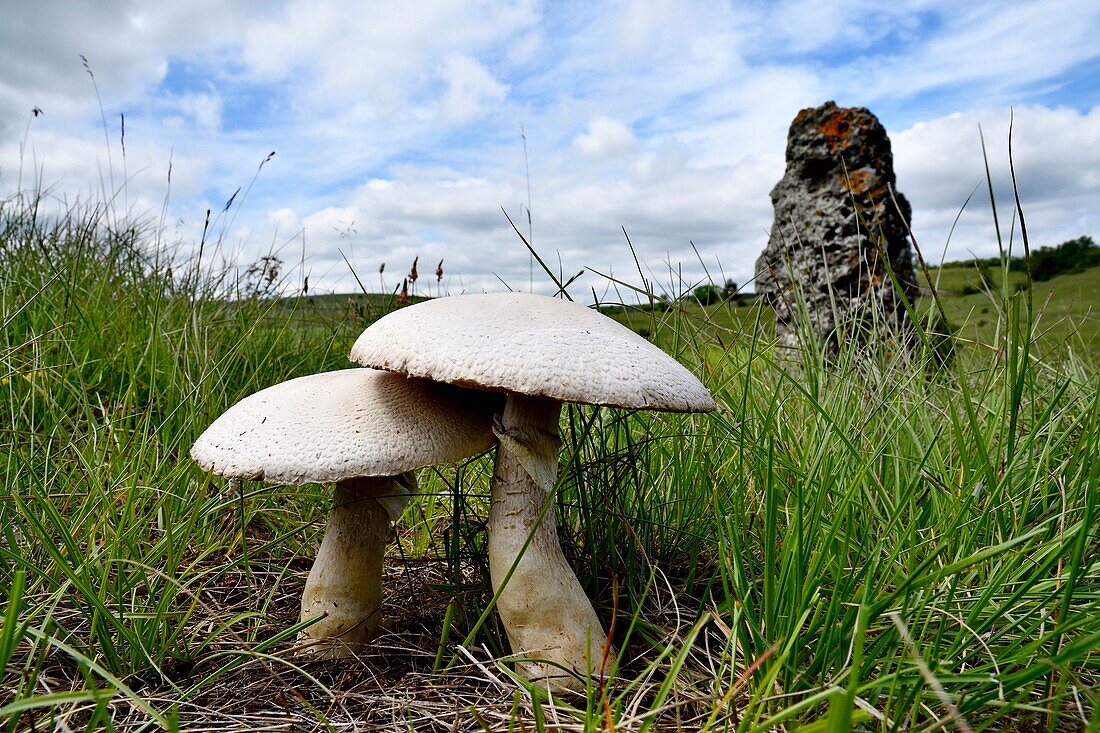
(1067, 309)
(870, 545)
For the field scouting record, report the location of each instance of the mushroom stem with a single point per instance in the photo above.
(345, 584)
(546, 613)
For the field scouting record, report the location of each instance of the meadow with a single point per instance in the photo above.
(869, 543)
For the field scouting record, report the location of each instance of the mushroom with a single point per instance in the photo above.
(366, 430)
(541, 352)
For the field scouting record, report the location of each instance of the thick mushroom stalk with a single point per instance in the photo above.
(344, 586)
(546, 613)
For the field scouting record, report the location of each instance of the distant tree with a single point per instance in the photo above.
(707, 294)
(729, 291)
(1073, 255)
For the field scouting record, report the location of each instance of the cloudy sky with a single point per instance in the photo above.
(399, 132)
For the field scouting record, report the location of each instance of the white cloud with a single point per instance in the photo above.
(126, 46)
(382, 54)
(990, 51)
(204, 109)
(606, 138)
(284, 220)
(810, 25)
(1056, 153)
(69, 166)
(471, 89)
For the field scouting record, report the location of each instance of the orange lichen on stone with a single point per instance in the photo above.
(837, 127)
(865, 182)
(803, 114)
(857, 181)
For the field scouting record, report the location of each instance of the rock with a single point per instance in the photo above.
(836, 226)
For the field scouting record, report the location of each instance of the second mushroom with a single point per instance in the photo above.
(365, 430)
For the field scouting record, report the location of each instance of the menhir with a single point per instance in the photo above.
(838, 222)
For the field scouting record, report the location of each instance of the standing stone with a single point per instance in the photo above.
(836, 226)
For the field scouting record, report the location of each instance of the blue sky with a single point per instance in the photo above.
(397, 130)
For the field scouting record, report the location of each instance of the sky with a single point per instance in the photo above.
(408, 132)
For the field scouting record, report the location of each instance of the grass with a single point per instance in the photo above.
(1068, 315)
(838, 547)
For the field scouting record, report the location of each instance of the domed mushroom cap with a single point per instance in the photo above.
(345, 424)
(532, 345)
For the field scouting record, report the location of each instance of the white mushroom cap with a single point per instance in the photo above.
(345, 424)
(532, 345)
